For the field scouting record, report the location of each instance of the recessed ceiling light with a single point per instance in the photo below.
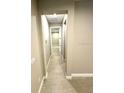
(54, 15)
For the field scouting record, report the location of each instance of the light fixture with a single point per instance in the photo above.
(54, 15)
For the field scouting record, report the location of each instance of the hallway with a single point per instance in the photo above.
(56, 81)
(61, 46)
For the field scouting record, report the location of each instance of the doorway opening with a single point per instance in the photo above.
(54, 28)
(55, 35)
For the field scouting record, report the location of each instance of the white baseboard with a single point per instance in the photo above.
(44, 77)
(48, 62)
(41, 84)
(47, 67)
(82, 75)
(69, 77)
(79, 75)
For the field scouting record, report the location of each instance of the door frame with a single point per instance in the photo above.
(59, 37)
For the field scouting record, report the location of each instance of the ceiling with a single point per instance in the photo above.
(55, 19)
(55, 30)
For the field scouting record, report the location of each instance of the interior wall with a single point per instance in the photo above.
(64, 37)
(82, 47)
(64, 41)
(46, 39)
(37, 65)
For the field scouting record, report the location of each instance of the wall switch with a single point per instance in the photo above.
(33, 60)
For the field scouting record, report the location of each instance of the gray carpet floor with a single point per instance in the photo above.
(57, 83)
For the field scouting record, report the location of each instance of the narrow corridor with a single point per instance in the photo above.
(62, 46)
(56, 81)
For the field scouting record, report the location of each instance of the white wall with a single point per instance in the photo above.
(46, 39)
(37, 64)
(82, 45)
(64, 37)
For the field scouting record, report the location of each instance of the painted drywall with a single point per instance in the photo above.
(64, 37)
(79, 32)
(37, 65)
(82, 46)
(46, 39)
(64, 41)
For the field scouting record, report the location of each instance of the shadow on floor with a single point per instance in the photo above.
(82, 85)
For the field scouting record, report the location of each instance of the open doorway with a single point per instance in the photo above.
(54, 27)
(55, 34)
